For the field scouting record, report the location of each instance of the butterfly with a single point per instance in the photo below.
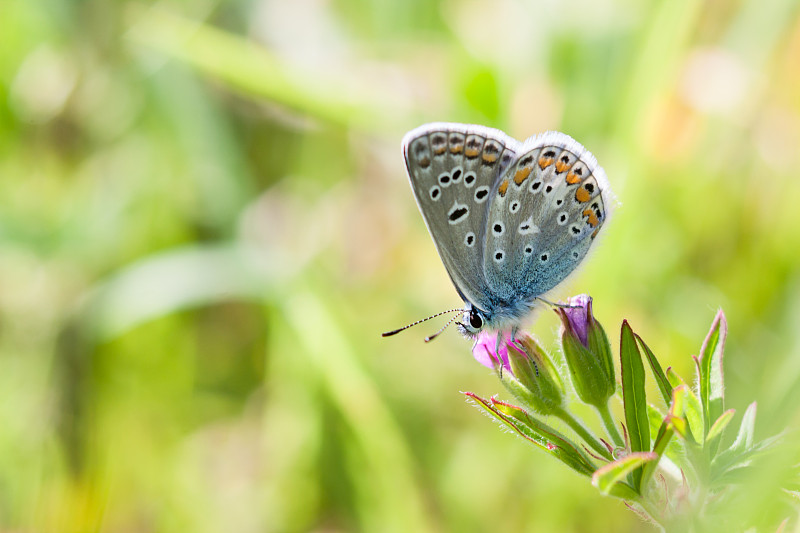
(509, 219)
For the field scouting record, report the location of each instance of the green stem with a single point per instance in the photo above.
(611, 426)
(583, 432)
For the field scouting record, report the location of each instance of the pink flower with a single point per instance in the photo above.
(486, 353)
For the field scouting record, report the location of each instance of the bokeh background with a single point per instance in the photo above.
(205, 225)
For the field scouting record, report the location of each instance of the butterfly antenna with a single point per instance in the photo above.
(430, 338)
(396, 331)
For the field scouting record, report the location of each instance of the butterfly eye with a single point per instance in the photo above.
(475, 320)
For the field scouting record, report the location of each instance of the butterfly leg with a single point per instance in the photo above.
(497, 344)
(554, 304)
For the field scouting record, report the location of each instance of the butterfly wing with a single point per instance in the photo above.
(545, 211)
(452, 169)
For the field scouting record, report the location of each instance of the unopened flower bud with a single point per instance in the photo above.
(587, 351)
(527, 371)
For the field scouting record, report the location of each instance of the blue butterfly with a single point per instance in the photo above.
(509, 219)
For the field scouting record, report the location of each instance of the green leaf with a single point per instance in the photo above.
(674, 379)
(663, 438)
(718, 427)
(654, 419)
(737, 460)
(693, 411)
(710, 378)
(624, 491)
(676, 418)
(633, 395)
(658, 373)
(538, 433)
(747, 429)
(615, 472)
(678, 404)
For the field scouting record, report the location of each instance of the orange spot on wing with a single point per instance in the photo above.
(439, 150)
(594, 233)
(593, 220)
(471, 152)
(489, 158)
(503, 188)
(573, 178)
(582, 195)
(521, 175)
(425, 161)
(456, 148)
(561, 166)
(545, 162)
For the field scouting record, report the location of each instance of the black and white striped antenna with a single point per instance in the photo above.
(431, 337)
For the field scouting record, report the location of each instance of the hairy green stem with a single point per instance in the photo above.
(611, 427)
(583, 432)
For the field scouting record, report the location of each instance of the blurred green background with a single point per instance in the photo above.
(205, 225)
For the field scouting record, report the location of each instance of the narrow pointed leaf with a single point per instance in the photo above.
(681, 427)
(633, 391)
(712, 387)
(675, 449)
(663, 438)
(678, 404)
(674, 379)
(538, 433)
(615, 472)
(732, 460)
(633, 395)
(694, 416)
(718, 427)
(747, 429)
(658, 373)
(676, 418)
(688, 406)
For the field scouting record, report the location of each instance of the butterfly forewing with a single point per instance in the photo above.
(454, 171)
(544, 214)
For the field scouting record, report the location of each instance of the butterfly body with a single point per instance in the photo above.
(509, 219)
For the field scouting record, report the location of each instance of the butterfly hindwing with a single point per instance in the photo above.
(453, 169)
(545, 211)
